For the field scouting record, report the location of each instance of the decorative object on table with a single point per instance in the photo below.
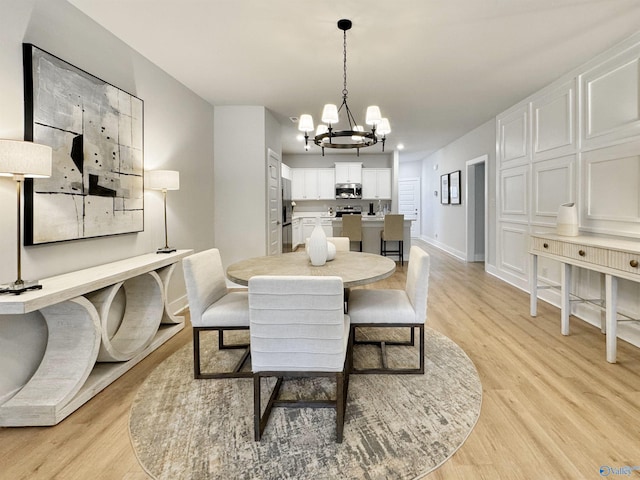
(567, 220)
(444, 189)
(355, 135)
(164, 180)
(96, 132)
(22, 160)
(331, 251)
(454, 188)
(397, 426)
(317, 248)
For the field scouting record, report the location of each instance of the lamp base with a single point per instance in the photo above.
(166, 250)
(18, 288)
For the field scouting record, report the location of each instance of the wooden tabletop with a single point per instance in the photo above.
(355, 268)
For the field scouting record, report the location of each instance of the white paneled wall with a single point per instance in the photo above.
(577, 140)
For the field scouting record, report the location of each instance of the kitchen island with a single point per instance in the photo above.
(371, 228)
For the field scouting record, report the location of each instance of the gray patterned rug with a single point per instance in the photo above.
(396, 427)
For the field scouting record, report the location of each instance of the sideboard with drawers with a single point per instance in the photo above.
(613, 258)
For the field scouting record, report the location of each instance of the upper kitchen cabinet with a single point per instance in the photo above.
(312, 184)
(376, 183)
(349, 172)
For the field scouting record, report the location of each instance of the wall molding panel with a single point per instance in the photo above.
(554, 122)
(513, 138)
(553, 185)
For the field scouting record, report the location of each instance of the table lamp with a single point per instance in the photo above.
(22, 160)
(163, 180)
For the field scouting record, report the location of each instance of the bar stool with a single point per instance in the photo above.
(352, 228)
(393, 232)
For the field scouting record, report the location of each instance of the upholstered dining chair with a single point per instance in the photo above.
(393, 231)
(213, 306)
(342, 243)
(352, 228)
(393, 308)
(298, 329)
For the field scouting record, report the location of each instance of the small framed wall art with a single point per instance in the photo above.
(444, 189)
(454, 188)
(96, 132)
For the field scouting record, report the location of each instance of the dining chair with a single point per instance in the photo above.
(393, 308)
(352, 228)
(213, 306)
(342, 243)
(298, 329)
(393, 231)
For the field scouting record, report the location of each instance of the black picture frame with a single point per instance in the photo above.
(96, 131)
(455, 197)
(444, 189)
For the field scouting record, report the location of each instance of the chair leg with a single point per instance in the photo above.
(383, 351)
(235, 373)
(196, 353)
(260, 420)
(340, 403)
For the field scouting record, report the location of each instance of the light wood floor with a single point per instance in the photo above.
(553, 408)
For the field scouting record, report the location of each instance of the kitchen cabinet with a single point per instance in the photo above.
(285, 171)
(312, 184)
(349, 172)
(376, 183)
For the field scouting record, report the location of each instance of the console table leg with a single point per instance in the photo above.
(611, 292)
(565, 304)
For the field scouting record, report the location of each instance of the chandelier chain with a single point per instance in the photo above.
(344, 53)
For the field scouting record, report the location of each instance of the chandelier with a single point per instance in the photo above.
(326, 136)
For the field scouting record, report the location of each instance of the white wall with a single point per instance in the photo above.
(177, 136)
(243, 134)
(445, 225)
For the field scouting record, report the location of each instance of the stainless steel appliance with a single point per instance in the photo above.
(348, 190)
(287, 213)
(342, 210)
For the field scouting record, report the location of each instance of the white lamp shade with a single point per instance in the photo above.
(25, 158)
(330, 113)
(305, 124)
(163, 180)
(567, 220)
(374, 117)
(384, 127)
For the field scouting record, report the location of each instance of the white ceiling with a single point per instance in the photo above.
(436, 68)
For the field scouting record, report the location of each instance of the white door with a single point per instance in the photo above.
(274, 204)
(409, 203)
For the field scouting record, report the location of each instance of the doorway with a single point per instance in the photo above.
(476, 188)
(409, 202)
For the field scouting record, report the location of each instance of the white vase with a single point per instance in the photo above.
(567, 220)
(331, 251)
(318, 246)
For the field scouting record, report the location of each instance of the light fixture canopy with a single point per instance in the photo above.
(353, 137)
(22, 160)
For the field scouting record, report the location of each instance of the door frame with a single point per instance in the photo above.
(470, 214)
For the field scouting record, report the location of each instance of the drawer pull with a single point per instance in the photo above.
(582, 253)
(545, 245)
(634, 263)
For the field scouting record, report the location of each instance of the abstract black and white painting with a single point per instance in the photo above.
(96, 132)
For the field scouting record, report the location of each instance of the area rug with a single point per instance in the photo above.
(396, 426)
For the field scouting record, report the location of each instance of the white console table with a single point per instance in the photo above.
(613, 258)
(101, 321)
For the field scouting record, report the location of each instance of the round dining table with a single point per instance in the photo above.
(355, 268)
